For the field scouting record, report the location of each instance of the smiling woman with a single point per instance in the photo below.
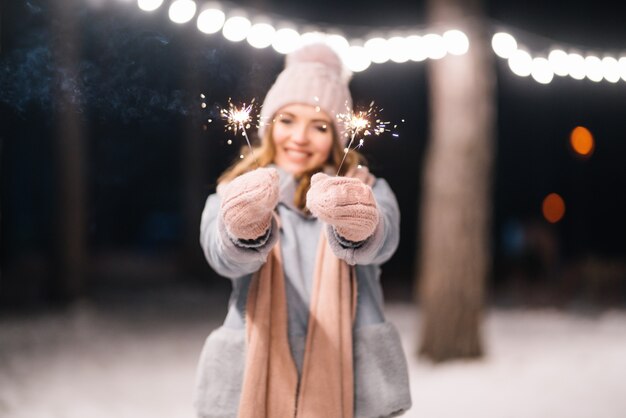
(299, 245)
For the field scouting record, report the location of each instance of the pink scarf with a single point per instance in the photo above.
(270, 383)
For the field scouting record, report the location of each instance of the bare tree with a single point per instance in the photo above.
(456, 204)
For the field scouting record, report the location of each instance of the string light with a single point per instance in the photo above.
(359, 55)
(557, 63)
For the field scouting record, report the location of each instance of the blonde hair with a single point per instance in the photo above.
(266, 151)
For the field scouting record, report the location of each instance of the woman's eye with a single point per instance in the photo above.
(322, 128)
(285, 121)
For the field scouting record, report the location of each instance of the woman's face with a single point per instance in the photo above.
(303, 138)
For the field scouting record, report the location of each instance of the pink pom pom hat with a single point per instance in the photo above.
(313, 75)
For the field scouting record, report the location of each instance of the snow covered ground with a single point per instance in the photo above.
(135, 357)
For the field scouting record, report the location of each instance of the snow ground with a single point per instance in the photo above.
(135, 357)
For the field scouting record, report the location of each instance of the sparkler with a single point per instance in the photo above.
(239, 118)
(364, 122)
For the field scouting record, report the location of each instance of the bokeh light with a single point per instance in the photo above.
(503, 44)
(582, 141)
(576, 65)
(211, 20)
(456, 42)
(377, 50)
(398, 49)
(435, 46)
(149, 5)
(593, 68)
(286, 40)
(559, 62)
(521, 63)
(357, 59)
(236, 28)
(311, 37)
(541, 71)
(622, 67)
(261, 35)
(417, 49)
(182, 11)
(338, 43)
(610, 69)
(553, 208)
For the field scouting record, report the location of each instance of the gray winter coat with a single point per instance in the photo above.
(380, 370)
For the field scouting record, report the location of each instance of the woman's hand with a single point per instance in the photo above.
(346, 203)
(248, 202)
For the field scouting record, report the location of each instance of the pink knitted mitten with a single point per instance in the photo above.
(248, 202)
(346, 203)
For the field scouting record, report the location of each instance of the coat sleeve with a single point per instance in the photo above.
(383, 243)
(230, 257)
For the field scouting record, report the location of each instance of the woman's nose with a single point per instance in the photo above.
(299, 134)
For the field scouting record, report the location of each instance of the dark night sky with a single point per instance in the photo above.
(133, 95)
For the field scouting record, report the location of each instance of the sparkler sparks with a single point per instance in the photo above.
(365, 122)
(239, 118)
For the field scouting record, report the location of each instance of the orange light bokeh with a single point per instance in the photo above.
(582, 141)
(553, 208)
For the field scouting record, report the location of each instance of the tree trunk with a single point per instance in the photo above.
(70, 217)
(456, 204)
(194, 151)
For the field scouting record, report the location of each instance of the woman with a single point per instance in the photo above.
(305, 334)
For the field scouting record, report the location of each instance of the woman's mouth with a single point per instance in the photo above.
(297, 154)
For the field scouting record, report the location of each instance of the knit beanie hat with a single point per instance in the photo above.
(313, 75)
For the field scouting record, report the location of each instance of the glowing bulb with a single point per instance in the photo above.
(416, 48)
(286, 40)
(558, 62)
(610, 69)
(593, 68)
(236, 28)
(261, 35)
(149, 5)
(182, 11)
(456, 42)
(582, 141)
(398, 51)
(540, 71)
(311, 38)
(377, 50)
(553, 208)
(576, 65)
(338, 43)
(503, 44)
(356, 58)
(211, 20)
(622, 67)
(435, 46)
(521, 63)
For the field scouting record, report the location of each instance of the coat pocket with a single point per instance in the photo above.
(219, 376)
(380, 372)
